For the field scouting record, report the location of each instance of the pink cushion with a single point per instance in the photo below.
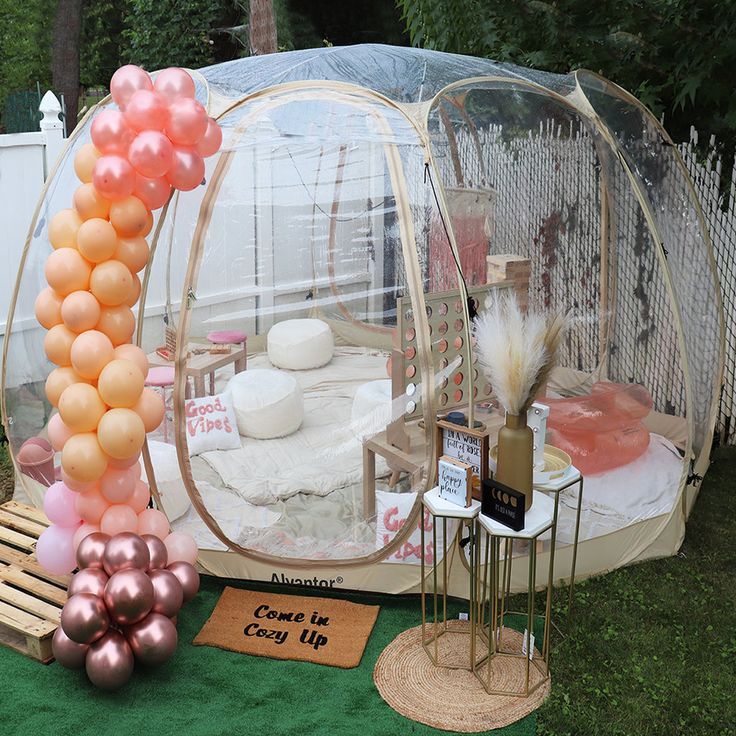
(227, 337)
(160, 376)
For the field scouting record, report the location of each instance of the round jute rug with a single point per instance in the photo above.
(453, 699)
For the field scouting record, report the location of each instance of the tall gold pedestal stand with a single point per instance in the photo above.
(494, 593)
(439, 626)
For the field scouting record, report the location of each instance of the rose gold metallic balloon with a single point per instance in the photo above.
(153, 640)
(129, 596)
(110, 661)
(68, 653)
(168, 595)
(174, 83)
(157, 550)
(92, 580)
(188, 577)
(126, 81)
(124, 551)
(91, 550)
(84, 618)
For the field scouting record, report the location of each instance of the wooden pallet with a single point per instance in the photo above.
(31, 599)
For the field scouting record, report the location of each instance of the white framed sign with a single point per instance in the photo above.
(454, 480)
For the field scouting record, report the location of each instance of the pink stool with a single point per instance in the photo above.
(228, 337)
(161, 377)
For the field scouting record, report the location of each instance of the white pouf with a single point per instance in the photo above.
(371, 410)
(170, 484)
(300, 344)
(267, 403)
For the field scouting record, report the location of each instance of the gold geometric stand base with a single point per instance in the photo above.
(450, 699)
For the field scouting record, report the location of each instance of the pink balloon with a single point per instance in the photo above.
(91, 505)
(187, 122)
(118, 519)
(84, 618)
(84, 531)
(153, 640)
(151, 153)
(187, 169)
(113, 177)
(124, 463)
(154, 193)
(168, 595)
(140, 498)
(76, 485)
(91, 580)
(117, 486)
(110, 133)
(152, 521)
(210, 142)
(126, 81)
(55, 549)
(126, 551)
(129, 596)
(188, 576)
(146, 110)
(68, 653)
(59, 504)
(110, 662)
(157, 551)
(181, 548)
(58, 433)
(174, 83)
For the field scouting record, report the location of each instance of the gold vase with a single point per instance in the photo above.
(515, 460)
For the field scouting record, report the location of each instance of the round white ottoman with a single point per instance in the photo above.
(300, 344)
(371, 410)
(267, 403)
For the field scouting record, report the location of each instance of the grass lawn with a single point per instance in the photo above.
(650, 651)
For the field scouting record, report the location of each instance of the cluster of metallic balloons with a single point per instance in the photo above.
(153, 142)
(122, 607)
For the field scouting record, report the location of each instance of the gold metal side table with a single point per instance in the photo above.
(439, 626)
(494, 593)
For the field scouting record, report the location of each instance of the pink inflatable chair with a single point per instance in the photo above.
(603, 430)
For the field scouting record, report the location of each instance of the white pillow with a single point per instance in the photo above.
(267, 403)
(371, 410)
(300, 344)
(211, 424)
(174, 496)
(392, 511)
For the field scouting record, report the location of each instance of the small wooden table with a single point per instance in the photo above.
(199, 365)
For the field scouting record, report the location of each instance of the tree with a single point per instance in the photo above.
(65, 56)
(262, 27)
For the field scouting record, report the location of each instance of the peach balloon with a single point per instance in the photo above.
(210, 142)
(135, 292)
(146, 110)
(63, 228)
(140, 498)
(133, 252)
(83, 459)
(173, 83)
(121, 433)
(58, 345)
(76, 485)
(58, 432)
(91, 506)
(150, 153)
(84, 162)
(88, 202)
(187, 170)
(150, 408)
(91, 352)
(154, 193)
(48, 308)
(117, 486)
(152, 521)
(97, 239)
(81, 407)
(127, 462)
(84, 531)
(187, 121)
(181, 548)
(129, 217)
(149, 225)
(118, 323)
(80, 311)
(66, 271)
(126, 81)
(135, 355)
(111, 283)
(111, 133)
(113, 177)
(117, 519)
(120, 383)
(58, 380)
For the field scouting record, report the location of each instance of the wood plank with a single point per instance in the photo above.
(27, 512)
(30, 564)
(15, 576)
(29, 603)
(17, 539)
(21, 524)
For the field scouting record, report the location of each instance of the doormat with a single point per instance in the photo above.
(321, 630)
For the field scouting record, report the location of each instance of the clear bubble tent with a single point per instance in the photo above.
(371, 190)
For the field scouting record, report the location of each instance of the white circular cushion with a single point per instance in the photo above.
(374, 396)
(171, 489)
(267, 403)
(300, 344)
